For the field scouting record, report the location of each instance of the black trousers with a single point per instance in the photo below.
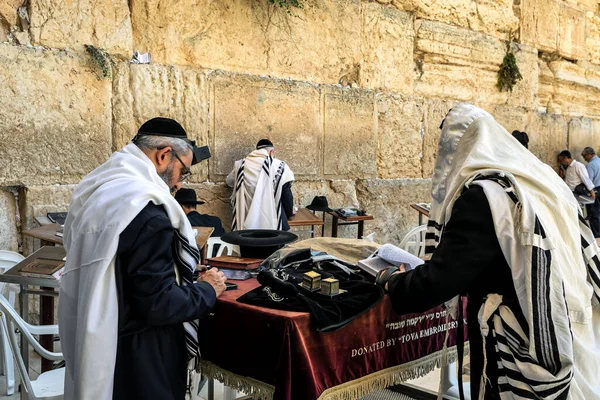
(593, 211)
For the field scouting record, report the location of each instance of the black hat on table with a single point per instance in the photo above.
(319, 203)
(168, 127)
(259, 243)
(187, 196)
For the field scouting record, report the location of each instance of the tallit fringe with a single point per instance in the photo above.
(389, 377)
(249, 386)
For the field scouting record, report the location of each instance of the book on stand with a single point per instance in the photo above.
(44, 268)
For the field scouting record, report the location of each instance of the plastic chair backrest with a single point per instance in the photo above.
(414, 241)
(14, 320)
(224, 247)
(9, 259)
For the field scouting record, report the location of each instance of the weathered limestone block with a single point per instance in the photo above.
(211, 34)
(247, 109)
(38, 200)
(8, 221)
(545, 85)
(493, 17)
(142, 92)
(400, 134)
(218, 201)
(387, 47)
(8, 11)
(434, 115)
(581, 135)
(457, 63)
(350, 134)
(511, 118)
(592, 37)
(547, 136)
(339, 193)
(388, 200)
(525, 92)
(588, 4)
(71, 24)
(55, 117)
(571, 32)
(539, 27)
(576, 89)
(319, 42)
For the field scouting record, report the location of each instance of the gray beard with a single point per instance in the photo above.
(166, 177)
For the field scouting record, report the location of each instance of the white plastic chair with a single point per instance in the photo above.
(49, 385)
(8, 259)
(224, 247)
(450, 382)
(414, 241)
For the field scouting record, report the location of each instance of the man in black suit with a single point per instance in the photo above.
(187, 199)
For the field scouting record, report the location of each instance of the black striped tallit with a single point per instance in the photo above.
(186, 259)
(516, 357)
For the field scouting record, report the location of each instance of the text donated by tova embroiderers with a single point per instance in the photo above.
(408, 337)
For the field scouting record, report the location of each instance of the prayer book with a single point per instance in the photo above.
(44, 268)
(57, 217)
(239, 263)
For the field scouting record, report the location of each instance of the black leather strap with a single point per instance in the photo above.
(384, 275)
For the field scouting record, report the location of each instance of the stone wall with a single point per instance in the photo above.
(352, 92)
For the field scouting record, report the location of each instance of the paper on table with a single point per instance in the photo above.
(395, 255)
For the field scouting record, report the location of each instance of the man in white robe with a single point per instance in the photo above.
(262, 190)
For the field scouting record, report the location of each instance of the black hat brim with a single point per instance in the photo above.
(317, 208)
(259, 237)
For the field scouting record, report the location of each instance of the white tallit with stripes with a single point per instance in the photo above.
(551, 252)
(103, 205)
(258, 182)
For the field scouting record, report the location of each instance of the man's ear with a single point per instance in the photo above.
(163, 158)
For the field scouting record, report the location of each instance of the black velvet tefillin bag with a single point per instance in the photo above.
(281, 290)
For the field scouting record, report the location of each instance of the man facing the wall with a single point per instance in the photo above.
(262, 190)
(128, 308)
(593, 169)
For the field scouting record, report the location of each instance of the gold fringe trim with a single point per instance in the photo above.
(249, 386)
(390, 376)
(351, 390)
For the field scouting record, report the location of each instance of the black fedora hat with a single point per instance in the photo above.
(187, 196)
(259, 243)
(319, 203)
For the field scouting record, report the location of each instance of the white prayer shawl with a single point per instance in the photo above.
(103, 205)
(551, 251)
(258, 183)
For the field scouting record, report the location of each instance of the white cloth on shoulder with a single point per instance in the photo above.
(103, 205)
(550, 250)
(258, 184)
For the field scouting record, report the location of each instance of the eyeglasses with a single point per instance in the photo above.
(186, 172)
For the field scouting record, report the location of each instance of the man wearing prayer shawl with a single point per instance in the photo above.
(506, 231)
(262, 190)
(128, 306)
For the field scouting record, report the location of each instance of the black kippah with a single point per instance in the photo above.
(262, 143)
(160, 126)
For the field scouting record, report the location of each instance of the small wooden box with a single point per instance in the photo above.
(330, 286)
(311, 281)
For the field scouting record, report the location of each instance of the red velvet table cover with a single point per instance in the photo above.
(280, 349)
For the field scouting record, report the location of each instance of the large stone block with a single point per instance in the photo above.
(539, 27)
(142, 92)
(388, 200)
(434, 115)
(247, 109)
(493, 17)
(71, 24)
(320, 42)
(581, 135)
(387, 47)
(571, 32)
(592, 37)
(525, 92)
(8, 221)
(212, 34)
(457, 63)
(38, 200)
(350, 134)
(547, 136)
(55, 119)
(576, 89)
(8, 11)
(545, 85)
(400, 133)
